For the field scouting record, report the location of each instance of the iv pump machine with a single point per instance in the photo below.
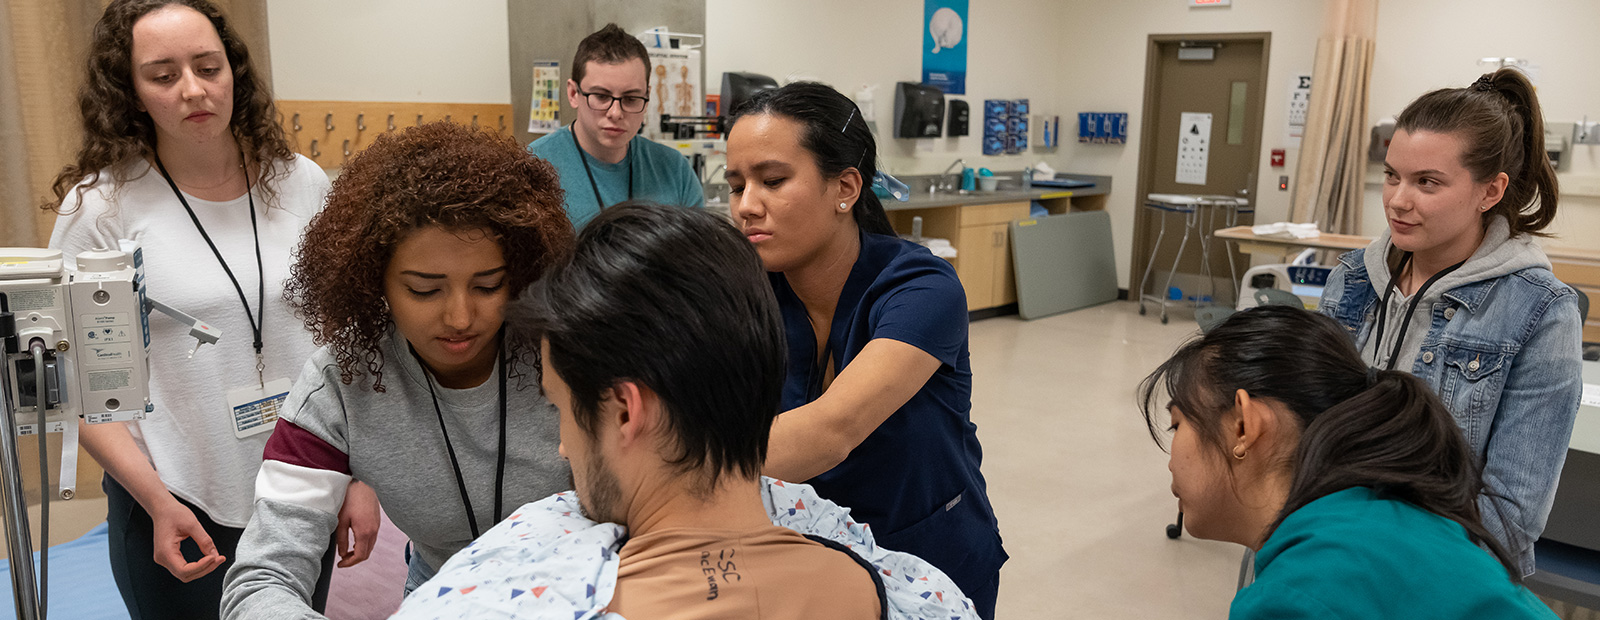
(76, 340)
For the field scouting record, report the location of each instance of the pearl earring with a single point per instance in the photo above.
(844, 207)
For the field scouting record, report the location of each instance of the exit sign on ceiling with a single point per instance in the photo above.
(1210, 2)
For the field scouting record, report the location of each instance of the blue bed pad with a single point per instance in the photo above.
(81, 586)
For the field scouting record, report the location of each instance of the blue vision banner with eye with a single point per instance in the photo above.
(944, 45)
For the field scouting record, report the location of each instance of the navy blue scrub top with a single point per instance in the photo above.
(915, 479)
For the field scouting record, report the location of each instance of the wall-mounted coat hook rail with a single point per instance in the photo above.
(350, 136)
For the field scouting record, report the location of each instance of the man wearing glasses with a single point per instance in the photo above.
(601, 158)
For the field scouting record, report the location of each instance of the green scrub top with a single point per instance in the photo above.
(1358, 554)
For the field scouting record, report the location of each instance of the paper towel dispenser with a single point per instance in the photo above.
(918, 111)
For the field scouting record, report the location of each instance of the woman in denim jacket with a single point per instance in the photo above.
(1457, 292)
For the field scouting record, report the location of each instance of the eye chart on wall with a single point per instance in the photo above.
(1299, 104)
(1194, 147)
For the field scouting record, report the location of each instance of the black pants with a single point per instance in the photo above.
(149, 589)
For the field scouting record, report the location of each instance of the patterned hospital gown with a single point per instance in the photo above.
(547, 561)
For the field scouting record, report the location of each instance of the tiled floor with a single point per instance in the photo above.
(1081, 491)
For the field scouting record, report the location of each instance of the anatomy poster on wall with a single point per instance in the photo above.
(674, 88)
(544, 109)
(944, 45)
(1194, 147)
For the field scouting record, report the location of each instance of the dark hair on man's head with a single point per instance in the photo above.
(835, 135)
(1502, 130)
(438, 174)
(116, 130)
(1390, 433)
(677, 301)
(610, 45)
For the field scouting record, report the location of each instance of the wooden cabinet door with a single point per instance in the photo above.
(1005, 280)
(975, 265)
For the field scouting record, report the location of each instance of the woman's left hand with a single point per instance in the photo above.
(358, 520)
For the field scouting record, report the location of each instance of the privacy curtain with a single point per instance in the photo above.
(1332, 165)
(43, 48)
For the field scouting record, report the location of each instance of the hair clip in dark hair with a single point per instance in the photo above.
(848, 119)
(1372, 376)
(1485, 83)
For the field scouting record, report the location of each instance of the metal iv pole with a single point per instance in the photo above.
(18, 540)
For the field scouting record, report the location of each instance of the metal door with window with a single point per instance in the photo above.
(1222, 75)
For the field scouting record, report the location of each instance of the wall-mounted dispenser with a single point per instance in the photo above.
(960, 115)
(918, 111)
(1555, 145)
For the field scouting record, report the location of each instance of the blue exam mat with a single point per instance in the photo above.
(81, 586)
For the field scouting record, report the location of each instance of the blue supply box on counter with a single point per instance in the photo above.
(1005, 126)
(1103, 127)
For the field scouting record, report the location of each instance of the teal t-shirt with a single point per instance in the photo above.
(660, 174)
(1355, 554)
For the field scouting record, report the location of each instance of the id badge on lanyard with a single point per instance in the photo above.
(254, 409)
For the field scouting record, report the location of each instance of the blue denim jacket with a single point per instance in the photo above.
(1505, 355)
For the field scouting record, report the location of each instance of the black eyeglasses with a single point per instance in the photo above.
(601, 102)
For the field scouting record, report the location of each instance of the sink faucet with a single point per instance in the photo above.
(944, 177)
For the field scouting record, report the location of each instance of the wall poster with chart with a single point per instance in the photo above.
(544, 109)
(674, 88)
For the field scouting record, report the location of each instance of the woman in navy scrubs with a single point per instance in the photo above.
(879, 386)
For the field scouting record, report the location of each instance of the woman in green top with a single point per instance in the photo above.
(1355, 487)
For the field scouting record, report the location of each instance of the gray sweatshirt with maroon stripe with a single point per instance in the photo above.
(392, 441)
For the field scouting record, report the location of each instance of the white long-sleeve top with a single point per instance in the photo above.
(189, 438)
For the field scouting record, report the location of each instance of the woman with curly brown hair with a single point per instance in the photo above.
(182, 153)
(424, 389)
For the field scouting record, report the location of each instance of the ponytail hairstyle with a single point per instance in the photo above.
(1499, 121)
(1358, 427)
(834, 134)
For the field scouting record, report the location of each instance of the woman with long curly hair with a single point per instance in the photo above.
(182, 153)
(424, 389)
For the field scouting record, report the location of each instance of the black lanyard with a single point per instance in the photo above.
(500, 461)
(257, 321)
(583, 157)
(1416, 298)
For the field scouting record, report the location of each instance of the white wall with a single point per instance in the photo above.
(1069, 56)
(1012, 54)
(1103, 52)
(1428, 44)
(390, 50)
(1065, 56)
